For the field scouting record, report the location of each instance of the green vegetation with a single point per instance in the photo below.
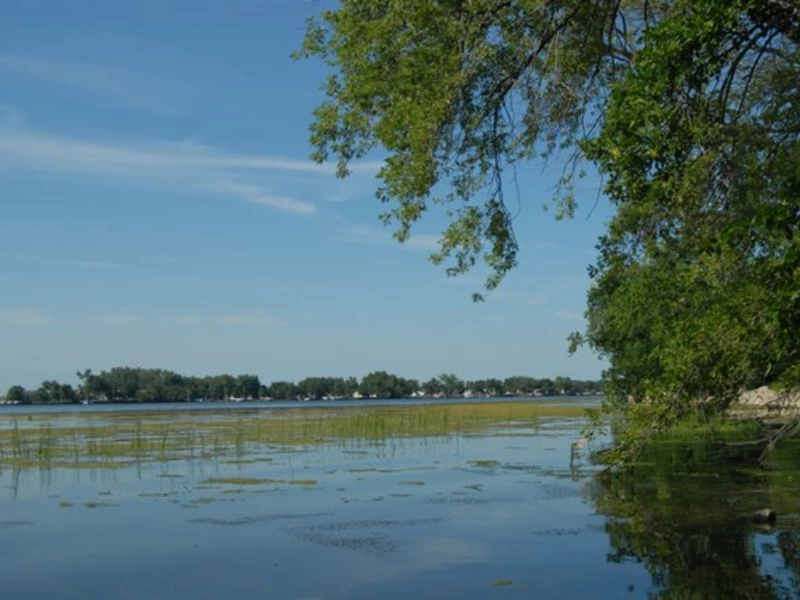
(484, 463)
(124, 384)
(686, 108)
(16, 393)
(118, 440)
(683, 509)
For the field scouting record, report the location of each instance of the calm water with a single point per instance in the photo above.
(466, 501)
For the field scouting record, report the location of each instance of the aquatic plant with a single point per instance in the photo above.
(111, 440)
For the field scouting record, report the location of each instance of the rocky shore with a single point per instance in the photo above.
(767, 402)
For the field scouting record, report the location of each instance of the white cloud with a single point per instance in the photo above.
(569, 316)
(78, 264)
(31, 150)
(423, 241)
(239, 321)
(373, 235)
(24, 317)
(256, 195)
(181, 166)
(364, 234)
(115, 318)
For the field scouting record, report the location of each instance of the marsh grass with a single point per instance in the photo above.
(119, 439)
(484, 463)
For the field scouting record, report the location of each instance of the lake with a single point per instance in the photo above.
(388, 500)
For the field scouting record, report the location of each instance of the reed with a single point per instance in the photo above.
(118, 439)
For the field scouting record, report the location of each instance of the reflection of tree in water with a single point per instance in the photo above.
(688, 523)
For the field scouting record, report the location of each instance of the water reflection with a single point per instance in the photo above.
(388, 503)
(689, 524)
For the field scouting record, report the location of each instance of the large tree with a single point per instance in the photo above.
(16, 393)
(687, 108)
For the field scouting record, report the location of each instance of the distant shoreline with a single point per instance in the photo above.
(254, 404)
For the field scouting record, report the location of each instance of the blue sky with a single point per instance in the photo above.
(158, 208)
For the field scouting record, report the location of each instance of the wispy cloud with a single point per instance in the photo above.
(34, 150)
(240, 321)
(423, 241)
(364, 234)
(256, 195)
(569, 316)
(369, 234)
(25, 317)
(103, 85)
(115, 318)
(182, 166)
(78, 264)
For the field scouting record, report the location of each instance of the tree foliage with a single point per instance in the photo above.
(16, 393)
(381, 384)
(456, 92)
(687, 108)
(697, 291)
(129, 384)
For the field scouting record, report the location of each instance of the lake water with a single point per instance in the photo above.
(441, 500)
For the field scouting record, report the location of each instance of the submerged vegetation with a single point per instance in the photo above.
(682, 510)
(120, 439)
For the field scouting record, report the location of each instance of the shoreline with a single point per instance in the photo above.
(22, 409)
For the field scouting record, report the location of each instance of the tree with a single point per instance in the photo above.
(86, 387)
(432, 387)
(16, 393)
(696, 293)
(457, 92)
(451, 384)
(247, 386)
(686, 107)
(52, 392)
(282, 390)
(345, 388)
(381, 384)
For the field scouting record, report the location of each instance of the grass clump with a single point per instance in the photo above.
(116, 440)
(484, 463)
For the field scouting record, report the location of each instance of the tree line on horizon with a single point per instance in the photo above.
(128, 384)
